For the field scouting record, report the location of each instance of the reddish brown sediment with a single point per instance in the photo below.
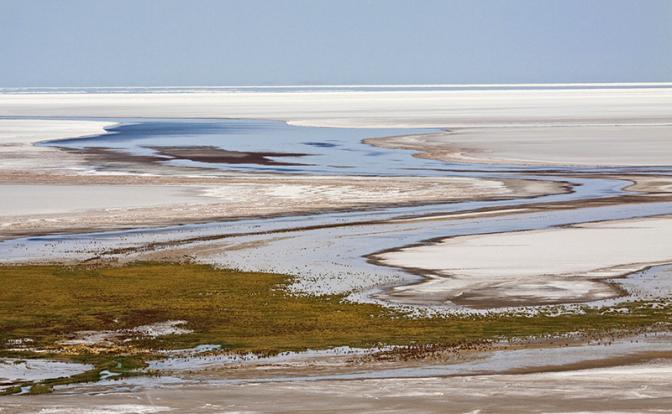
(209, 154)
(105, 157)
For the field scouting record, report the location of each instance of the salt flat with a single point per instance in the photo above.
(365, 108)
(560, 264)
(28, 200)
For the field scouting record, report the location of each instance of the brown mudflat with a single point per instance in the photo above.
(205, 154)
(216, 155)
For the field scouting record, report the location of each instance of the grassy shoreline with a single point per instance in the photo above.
(240, 311)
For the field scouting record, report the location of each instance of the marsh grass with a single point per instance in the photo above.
(241, 312)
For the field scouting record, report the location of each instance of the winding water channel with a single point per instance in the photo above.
(326, 252)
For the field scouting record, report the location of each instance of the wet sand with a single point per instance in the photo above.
(635, 388)
(610, 366)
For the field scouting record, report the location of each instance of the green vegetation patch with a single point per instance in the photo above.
(40, 306)
(245, 311)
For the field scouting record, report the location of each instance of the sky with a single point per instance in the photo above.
(51, 43)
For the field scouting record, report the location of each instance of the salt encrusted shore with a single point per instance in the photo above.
(556, 265)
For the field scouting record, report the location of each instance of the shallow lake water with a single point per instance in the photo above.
(333, 151)
(326, 252)
(327, 150)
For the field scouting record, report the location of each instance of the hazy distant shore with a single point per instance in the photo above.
(386, 108)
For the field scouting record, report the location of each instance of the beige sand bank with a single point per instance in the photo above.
(606, 145)
(556, 265)
(655, 185)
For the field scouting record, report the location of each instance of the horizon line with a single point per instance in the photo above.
(335, 86)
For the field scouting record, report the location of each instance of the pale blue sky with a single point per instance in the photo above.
(254, 42)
